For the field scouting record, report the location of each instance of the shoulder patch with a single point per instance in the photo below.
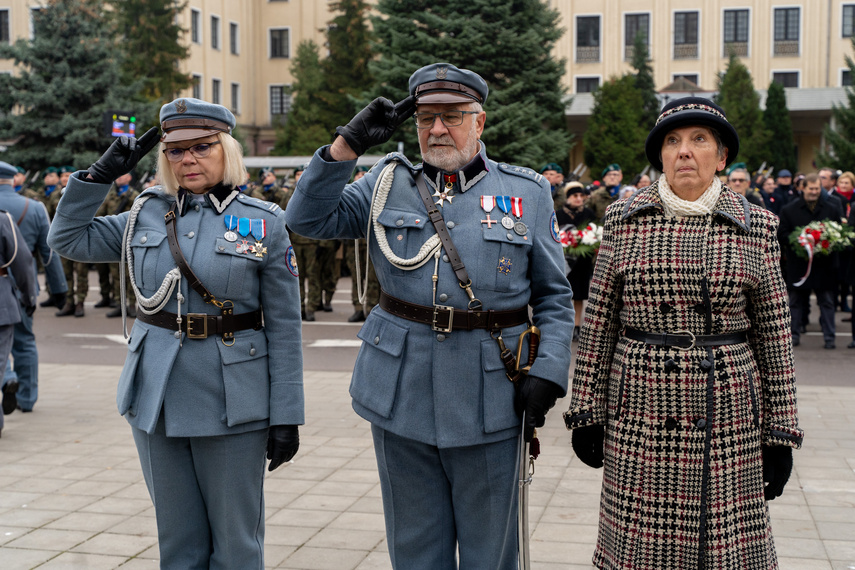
(261, 204)
(291, 261)
(521, 171)
(553, 228)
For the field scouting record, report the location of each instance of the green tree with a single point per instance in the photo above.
(644, 82)
(509, 44)
(776, 119)
(839, 133)
(150, 39)
(68, 78)
(302, 134)
(614, 133)
(741, 104)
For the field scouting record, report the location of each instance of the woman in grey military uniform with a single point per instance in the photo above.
(208, 385)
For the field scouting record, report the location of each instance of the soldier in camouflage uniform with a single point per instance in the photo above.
(605, 195)
(306, 251)
(269, 189)
(119, 199)
(76, 272)
(372, 287)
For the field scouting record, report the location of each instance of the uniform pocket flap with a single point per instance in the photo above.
(383, 335)
(223, 245)
(147, 237)
(401, 219)
(136, 339)
(244, 349)
(500, 234)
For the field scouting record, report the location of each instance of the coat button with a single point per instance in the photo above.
(191, 235)
(670, 365)
(701, 423)
(671, 423)
(143, 239)
(252, 352)
(449, 225)
(445, 258)
(510, 236)
(440, 337)
(376, 340)
(197, 207)
(399, 223)
(177, 334)
(221, 248)
(706, 364)
(664, 308)
(443, 297)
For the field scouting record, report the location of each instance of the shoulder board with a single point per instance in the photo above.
(157, 191)
(521, 171)
(398, 157)
(260, 204)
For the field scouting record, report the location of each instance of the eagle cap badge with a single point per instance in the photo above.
(181, 106)
(441, 72)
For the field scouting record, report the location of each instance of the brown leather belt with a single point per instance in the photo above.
(442, 318)
(202, 325)
(685, 340)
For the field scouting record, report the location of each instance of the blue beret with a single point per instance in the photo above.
(188, 118)
(7, 170)
(445, 83)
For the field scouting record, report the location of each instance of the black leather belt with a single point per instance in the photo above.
(685, 340)
(442, 318)
(202, 325)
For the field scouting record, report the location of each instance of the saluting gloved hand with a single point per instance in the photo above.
(282, 444)
(122, 156)
(588, 444)
(536, 396)
(58, 299)
(375, 123)
(777, 466)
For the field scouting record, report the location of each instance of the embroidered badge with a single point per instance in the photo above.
(291, 261)
(505, 265)
(553, 227)
(441, 72)
(181, 106)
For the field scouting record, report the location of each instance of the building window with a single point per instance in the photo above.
(693, 77)
(197, 86)
(635, 24)
(280, 101)
(195, 26)
(234, 38)
(215, 91)
(4, 26)
(215, 32)
(34, 16)
(736, 33)
(685, 35)
(845, 78)
(279, 43)
(235, 98)
(786, 31)
(848, 18)
(587, 39)
(786, 78)
(587, 84)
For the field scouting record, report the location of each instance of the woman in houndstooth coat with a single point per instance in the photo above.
(684, 384)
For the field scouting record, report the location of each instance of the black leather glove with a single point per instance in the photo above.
(535, 396)
(282, 444)
(58, 299)
(777, 466)
(29, 309)
(375, 123)
(588, 444)
(122, 156)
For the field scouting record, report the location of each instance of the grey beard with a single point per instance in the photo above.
(450, 159)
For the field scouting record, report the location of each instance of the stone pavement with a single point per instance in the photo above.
(72, 494)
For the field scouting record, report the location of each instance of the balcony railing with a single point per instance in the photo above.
(739, 49)
(587, 54)
(686, 51)
(788, 47)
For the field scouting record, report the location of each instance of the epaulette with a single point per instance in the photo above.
(260, 204)
(158, 191)
(521, 171)
(398, 157)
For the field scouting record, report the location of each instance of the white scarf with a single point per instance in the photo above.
(677, 207)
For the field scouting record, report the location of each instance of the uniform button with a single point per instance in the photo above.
(706, 364)
(221, 248)
(443, 297)
(197, 207)
(664, 308)
(177, 334)
(450, 225)
(510, 236)
(252, 352)
(191, 235)
(143, 239)
(670, 365)
(671, 423)
(445, 258)
(376, 340)
(701, 423)
(440, 337)
(399, 223)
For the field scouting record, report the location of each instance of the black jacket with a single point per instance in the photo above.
(796, 215)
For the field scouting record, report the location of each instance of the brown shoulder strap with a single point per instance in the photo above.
(179, 258)
(24, 213)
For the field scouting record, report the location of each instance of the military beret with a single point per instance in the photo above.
(188, 118)
(552, 166)
(266, 170)
(685, 112)
(67, 169)
(735, 166)
(300, 168)
(445, 83)
(362, 169)
(7, 170)
(51, 170)
(20, 170)
(611, 168)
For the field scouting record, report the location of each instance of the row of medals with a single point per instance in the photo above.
(507, 222)
(244, 247)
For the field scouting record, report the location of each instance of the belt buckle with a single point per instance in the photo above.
(194, 318)
(450, 322)
(691, 346)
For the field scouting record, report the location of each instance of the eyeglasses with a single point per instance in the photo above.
(739, 180)
(200, 150)
(448, 118)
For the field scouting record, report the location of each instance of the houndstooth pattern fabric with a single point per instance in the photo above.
(683, 474)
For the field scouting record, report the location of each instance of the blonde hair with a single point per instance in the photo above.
(848, 175)
(234, 173)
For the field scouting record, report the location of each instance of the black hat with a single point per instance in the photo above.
(574, 188)
(688, 111)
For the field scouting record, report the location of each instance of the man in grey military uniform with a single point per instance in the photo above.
(428, 378)
(32, 219)
(17, 290)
